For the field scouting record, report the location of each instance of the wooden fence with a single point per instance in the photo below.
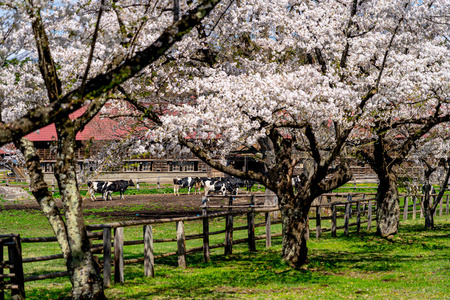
(14, 263)
(358, 205)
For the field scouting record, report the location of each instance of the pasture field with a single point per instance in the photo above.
(147, 188)
(413, 265)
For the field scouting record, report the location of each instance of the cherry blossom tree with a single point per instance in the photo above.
(80, 53)
(432, 151)
(303, 77)
(414, 101)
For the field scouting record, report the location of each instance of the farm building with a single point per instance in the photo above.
(96, 136)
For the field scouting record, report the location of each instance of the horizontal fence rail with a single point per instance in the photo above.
(334, 206)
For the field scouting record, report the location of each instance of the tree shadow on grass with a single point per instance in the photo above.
(332, 260)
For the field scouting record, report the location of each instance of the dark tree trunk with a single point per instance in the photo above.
(428, 207)
(388, 207)
(84, 271)
(295, 230)
(429, 216)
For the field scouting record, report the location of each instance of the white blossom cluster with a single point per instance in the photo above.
(267, 72)
(252, 65)
(125, 28)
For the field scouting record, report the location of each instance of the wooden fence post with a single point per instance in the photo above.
(251, 226)
(149, 257)
(158, 185)
(268, 232)
(421, 208)
(270, 199)
(358, 217)
(15, 259)
(432, 204)
(447, 208)
(2, 292)
(206, 255)
(346, 218)
(405, 209)
(106, 257)
(364, 206)
(229, 230)
(369, 215)
(118, 255)
(307, 228)
(349, 199)
(414, 207)
(318, 222)
(333, 220)
(181, 243)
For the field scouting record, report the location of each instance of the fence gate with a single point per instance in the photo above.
(14, 264)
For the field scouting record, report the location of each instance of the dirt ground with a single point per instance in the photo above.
(131, 207)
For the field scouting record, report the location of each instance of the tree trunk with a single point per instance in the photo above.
(388, 207)
(295, 228)
(427, 205)
(429, 216)
(84, 271)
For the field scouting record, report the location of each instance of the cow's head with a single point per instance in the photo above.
(130, 183)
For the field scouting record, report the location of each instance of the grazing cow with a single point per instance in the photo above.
(208, 184)
(118, 186)
(185, 182)
(106, 188)
(98, 187)
(223, 186)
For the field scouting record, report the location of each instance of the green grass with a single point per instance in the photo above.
(413, 265)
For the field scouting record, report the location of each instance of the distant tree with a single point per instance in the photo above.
(432, 151)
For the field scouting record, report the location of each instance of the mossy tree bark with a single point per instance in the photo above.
(84, 271)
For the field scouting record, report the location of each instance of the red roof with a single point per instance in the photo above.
(98, 129)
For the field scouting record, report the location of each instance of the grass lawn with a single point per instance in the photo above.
(413, 265)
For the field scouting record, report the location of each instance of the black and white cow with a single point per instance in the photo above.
(221, 185)
(98, 187)
(185, 182)
(208, 184)
(224, 186)
(118, 186)
(106, 188)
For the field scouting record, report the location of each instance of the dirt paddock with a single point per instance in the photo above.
(133, 207)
